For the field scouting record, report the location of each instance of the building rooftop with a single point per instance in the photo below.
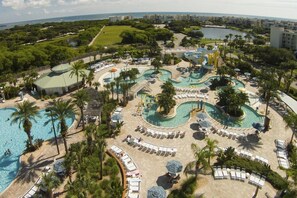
(58, 77)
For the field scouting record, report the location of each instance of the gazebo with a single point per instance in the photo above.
(58, 81)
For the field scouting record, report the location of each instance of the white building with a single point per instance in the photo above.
(283, 38)
(119, 18)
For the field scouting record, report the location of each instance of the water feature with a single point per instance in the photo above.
(183, 115)
(220, 33)
(13, 138)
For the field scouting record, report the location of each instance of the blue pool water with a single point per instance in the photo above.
(251, 116)
(13, 138)
(183, 115)
(191, 81)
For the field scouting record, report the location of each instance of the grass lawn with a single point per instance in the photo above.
(110, 35)
(208, 41)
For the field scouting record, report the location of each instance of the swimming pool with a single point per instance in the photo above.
(193, 80)
(183, 115)
(13, 138)
(251, 116)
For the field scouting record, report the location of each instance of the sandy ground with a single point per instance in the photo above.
(152, 166)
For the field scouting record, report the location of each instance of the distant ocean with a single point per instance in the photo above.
(135, 15)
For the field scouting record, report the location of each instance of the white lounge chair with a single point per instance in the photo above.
(232, 173)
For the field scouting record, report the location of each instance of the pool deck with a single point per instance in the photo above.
(37, 161)
(151, 166)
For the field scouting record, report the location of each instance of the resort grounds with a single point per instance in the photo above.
(151, 166)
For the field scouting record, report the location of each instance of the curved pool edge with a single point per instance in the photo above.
(19, 161)
(216, 121)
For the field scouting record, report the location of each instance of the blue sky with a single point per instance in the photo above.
(21, 10)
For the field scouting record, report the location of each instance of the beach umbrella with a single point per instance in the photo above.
(207, 83)
(174, 166)
(156, 192)
(237, 69)
(258, 126)
(205, 123)
(242, 89)
(247, 73)
(113, 69)
(202, 115)
(117, 117)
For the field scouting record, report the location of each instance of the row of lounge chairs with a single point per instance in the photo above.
(278, 108)
(257, 180)
(151, 148)
(248, 155)
(281, 153)
(124, 157)
(185, 96)
(237, 174)
(159, 134)
(229, 134)
(101, 66)
(36, 187)
(132, 173)
(187, 90)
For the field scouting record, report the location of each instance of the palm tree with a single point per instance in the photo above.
(80, 100)
(157, 64)
(89, 133)
(96, 84)
(291, 121)
(211, 145)
(78, 69)
(200, 161)
(230, 36)
(125, 89)
(101, 145)
(268, 90)
(248, 37)
(166, 103)
(25, 112)
(61, 110)
(117, 84)
(288, 80)
(117, 128)
(112, 84)
(90, 78)
(49, 182)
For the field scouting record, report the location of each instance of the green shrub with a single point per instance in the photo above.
(276, 180)
(104, 184)
(189, 186)
(221, 82)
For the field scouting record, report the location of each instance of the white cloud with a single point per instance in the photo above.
(14, 4)
(23, 4)
(45, 11)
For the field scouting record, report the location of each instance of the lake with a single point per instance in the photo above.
(220, 33)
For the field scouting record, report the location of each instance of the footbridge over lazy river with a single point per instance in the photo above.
(144, 85)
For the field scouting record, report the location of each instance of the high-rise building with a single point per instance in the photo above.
(283, 38)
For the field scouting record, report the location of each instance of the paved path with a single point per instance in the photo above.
(91, 43)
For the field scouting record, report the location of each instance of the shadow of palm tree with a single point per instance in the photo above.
(163, 181)
(28, 170)
(251, 142)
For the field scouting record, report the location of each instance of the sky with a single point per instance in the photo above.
(22, 10)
